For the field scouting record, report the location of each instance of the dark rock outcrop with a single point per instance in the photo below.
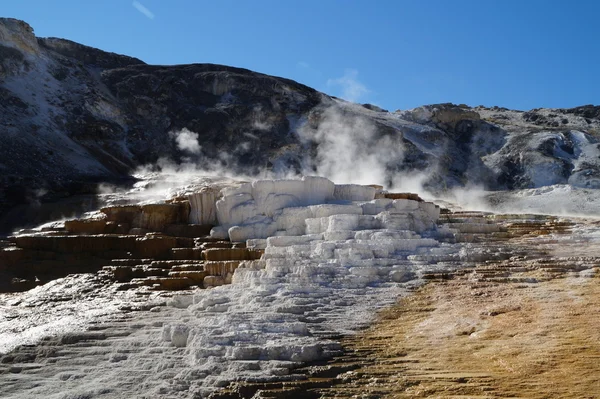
(85, 54)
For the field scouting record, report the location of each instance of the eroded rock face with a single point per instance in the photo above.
(90, 226)
(448, 117)
(18, 35)
(123, 214)
(148, 217)
(202, 206)
(155, 217)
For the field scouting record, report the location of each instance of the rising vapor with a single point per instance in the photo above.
(350, 149)
(187, 141)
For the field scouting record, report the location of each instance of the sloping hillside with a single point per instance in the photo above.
(74, 116)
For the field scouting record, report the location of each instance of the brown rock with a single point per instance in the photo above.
(156, 217)
(120, 273)
(188, 230)
(90, 226)
(138, 272)
(449, 118)
(54, 226)
(129, 262)
(174, 283)
(202, 203)
(185, 242)
(408, 196)
(188, 267)
(169, 264)
(165, 283)
(155, 246)
(151, 217)
(78, 244)
(11, 256)
(155, 272)
(202, 240)
(187, 253)
(122, 228)
(222, 254)
(197, 276)
(136, 231)
(221, 268)
(122, 214)
(216, 244)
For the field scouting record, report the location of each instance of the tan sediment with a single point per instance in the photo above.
(460, 339)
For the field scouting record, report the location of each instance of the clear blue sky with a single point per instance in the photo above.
(397, 54)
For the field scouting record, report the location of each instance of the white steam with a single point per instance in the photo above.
(350, 149)
(260, 120)
(412, 182)
(187, 141)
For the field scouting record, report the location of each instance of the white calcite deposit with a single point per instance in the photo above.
(333, 254)
(202, 205)
(312, 205)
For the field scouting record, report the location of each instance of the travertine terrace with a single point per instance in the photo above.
(295, 267)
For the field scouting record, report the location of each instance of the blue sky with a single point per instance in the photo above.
(396, 54)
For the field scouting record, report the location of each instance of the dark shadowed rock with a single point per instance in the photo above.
(87, 55)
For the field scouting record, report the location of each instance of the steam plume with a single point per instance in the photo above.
(350, 149)
(187, 141)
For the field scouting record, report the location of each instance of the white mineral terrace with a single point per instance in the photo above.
(333, 256)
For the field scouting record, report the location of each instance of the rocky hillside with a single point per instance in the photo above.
(72, 116)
